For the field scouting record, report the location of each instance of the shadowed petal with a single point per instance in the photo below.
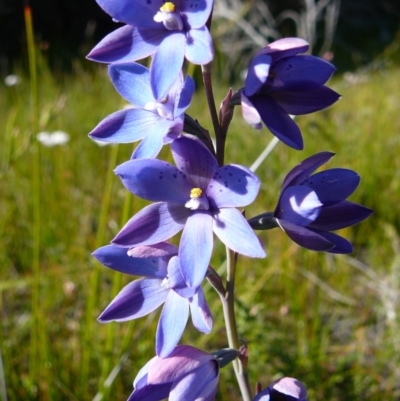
(342, 215)
(305, 102)
(153, 224)
(195, 160)
(333, 185)
(125, 126)
(185, 96)
(166, 64)
(278, 122)
(233, 186)
(306, 238)
(199, 46)
(285, 47)
(151, 393)
(137, 299)
(300, 205)
(163, 249)
(200, 384)
(155, 180)
(342, 246)
(300, 73)
(300, 172)
(117, 258)
(196, 247)
(126, 44)
(172, 323)
(201, 314)
(132, 81)
(235, 232)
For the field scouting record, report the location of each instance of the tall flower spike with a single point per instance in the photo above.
(186, 374)
(311, 206)
(281, 83)
(163, 284)
(154, 121)
(196, 196)
(168, 31)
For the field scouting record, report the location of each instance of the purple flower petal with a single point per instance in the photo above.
(201, 314)
(300, 205)
(125, 126)
(300, 172)
(277, 121)
(234, 231)
(153, 224)
(199, 48)
(300, 73)
(197, 12)
(126, 44)
(341, 215)
(306, 238)
(172, 323)
(176, 281)
(333, 185)
(169, 57)
(232, 186)
(151, 393)
(195, 160)
(257, 73)
(117, 258)
(305, 102)
(132, 81)
(250, 113)
(195, 258)
(155, 180)
(200, 384)
(135, 300)
(342, 246)
(132, 12)
(185, 357)
(185, 96)
(161, 250)
(285, 47)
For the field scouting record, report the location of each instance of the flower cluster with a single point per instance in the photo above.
(198, 195)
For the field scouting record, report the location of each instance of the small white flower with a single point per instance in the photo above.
(12, 80)
(51, 139)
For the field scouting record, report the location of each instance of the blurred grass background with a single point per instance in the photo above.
(330, 321)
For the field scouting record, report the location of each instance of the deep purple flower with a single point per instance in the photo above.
(311, 206)
(186, 374)
(164, 284)
(196, 196)
(169, 31)
(284, 389)
(281, 83)
(155, 122)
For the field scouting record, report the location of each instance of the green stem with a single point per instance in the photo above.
(228, 304)
(36, 350)
(95, 274)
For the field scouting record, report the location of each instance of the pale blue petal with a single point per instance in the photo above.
(176, 281)
(235, 232)
(155, 180)
(166, 64)
(199, 46)
(196, 248)
(132, 82)
(135, 300)
(184, 97)
(153, 224)
(126, 44)
(197, 12)
(172, 323)
(125, 126)
(232, 186)
(201, 314)
(257, 74)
